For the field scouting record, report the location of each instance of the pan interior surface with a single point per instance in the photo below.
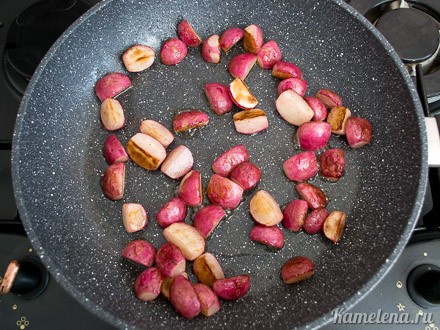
(58, 161)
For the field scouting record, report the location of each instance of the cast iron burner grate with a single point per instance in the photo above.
(412, 28)
(33, 32)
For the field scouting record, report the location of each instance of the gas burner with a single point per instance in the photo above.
(33, 32)
(412, 28)
(413, 34)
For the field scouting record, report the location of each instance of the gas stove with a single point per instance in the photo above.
(29, 27)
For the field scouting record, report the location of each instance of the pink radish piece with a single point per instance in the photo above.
(211, 49)
(187, 238)
(207, 269)
(140, 251)
(184, 298)
(358, 131)
(269, 54)
(207, 218)
(179, 162)
(230, 37)
(292, 108)
(269, 236)
(134, 217)
(114, 152)
(209, 303)
(111, 85)
(334, 225)
(218, 98)
(113, 181)
(173, 211)
(296, 270)
(246, 174)
(190, 119)
(314, 135)
(173, 51)
(337, 118)
(252, 39)
(112, 115)
(314, 196)
(157, 131)
(187, 34)
(298, 85)
(146, 151)
(329, 98)
(138, 58)
(250, 121)
(223, 192)
(147, 284)
(241, 65)
(285, 70)
(225, 163)
(315, 221)
(232, 288)
(241, 95)
(170, 260)
(190, 188)
(301, 167)
(332, 164)
(294, 215)
(265, 209)
(319, 108)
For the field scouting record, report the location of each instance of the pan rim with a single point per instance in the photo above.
(324, 319)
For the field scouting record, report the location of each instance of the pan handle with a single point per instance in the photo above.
(432, 123)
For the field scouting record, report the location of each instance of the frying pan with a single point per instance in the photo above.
(57, 158)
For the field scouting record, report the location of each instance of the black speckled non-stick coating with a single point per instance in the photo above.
(58, 161)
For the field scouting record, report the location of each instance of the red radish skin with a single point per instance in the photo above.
(190, 119)
(173, 51)
(227, 161)
(218, 98)
(173, 211)
(314, 135)
(170, 260)
(329, 98)
(294, 215)
(332, 164)
(315, 221)
(111, 85)
(246, 174)
(232, 288)
(301, 167)
(298, 85)
(269, 236)
(209, 302)
(319, 108)
(211, 51)
(358, 131)
(114, 152)
(285, 70)
(184, 298)
(134, 217)
(252, 39)
(147, 284)
(140, 251)
(138, 58)
(230, 37)
(178, 162)
(241, 65)
(314, 196)
(223, 192)
(207, 218)
(187, 34)
(297, 269)
(190, 188)
(113, 181)
(269, 54)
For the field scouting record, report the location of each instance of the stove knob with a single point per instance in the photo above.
(424, 286)
(27, 278)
